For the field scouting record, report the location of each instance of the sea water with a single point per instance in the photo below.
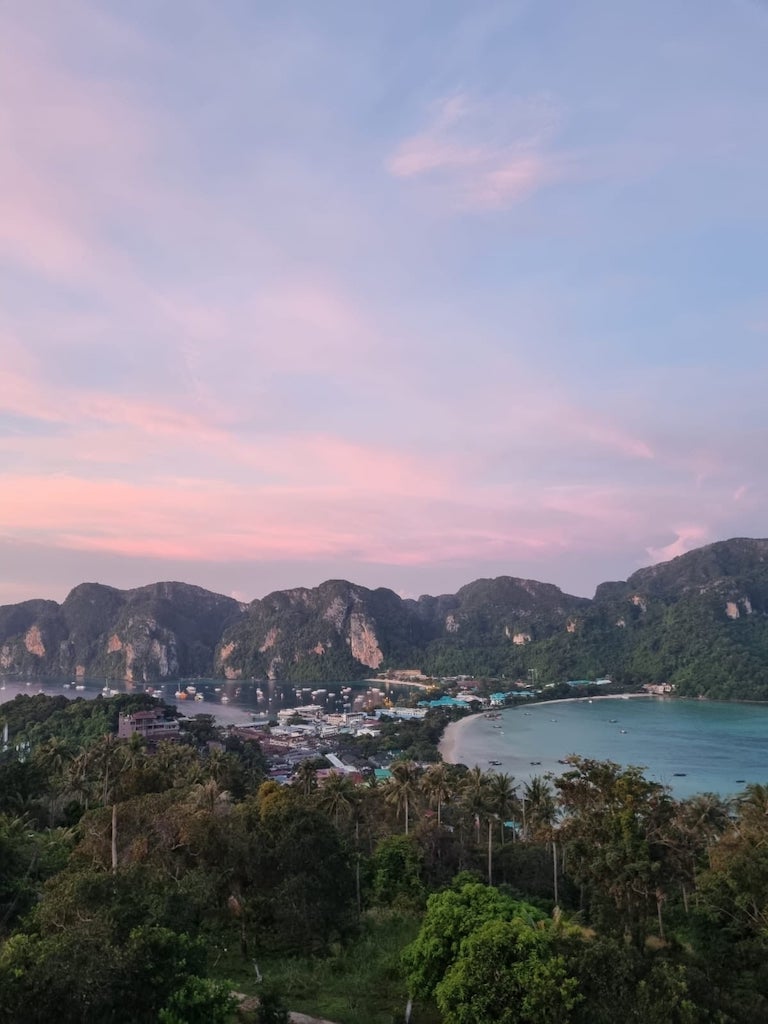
(691, 746)
(230, 702)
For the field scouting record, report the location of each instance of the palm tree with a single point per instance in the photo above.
(702, 819)
(474, 795)
(207, 797)
(336, 795)
(53, 758)
(78, 782)
(437, 786)
(403, 787)
(502, 797)
(539, 802)
(539, 809)
(305, 777)
(104, 764)
(753, 808)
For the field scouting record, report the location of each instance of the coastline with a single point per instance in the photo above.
(451, 738)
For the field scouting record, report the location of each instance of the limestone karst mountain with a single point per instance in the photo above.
(698, 621)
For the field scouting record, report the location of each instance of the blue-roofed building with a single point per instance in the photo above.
(447, 702)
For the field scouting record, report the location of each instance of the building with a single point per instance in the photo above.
(152, 726)
(659, 689)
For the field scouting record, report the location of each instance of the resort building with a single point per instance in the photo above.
(152, 726)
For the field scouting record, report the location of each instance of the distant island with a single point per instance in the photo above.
(697, 622)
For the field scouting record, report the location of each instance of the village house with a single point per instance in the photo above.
(152, 726)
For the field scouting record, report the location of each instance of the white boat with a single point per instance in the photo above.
(108, 691)
(224, 699)
(79, 686)
(192, 689)
(199, 696)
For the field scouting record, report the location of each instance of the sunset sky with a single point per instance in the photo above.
(406, 293)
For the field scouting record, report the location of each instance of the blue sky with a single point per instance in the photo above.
(407, 294)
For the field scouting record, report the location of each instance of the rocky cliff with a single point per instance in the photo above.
(699, 621)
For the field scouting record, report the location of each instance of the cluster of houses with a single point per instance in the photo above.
(309, 731)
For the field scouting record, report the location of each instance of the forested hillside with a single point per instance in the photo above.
(146, 885)
(698, 622)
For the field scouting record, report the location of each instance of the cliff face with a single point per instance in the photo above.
(334, 631)
(156, 632)
(699, 621)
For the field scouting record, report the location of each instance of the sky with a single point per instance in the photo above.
(408, 293)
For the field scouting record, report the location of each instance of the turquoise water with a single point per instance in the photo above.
(715, 745)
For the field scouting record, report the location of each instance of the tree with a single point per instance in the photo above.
(306, 880)
(403, 788)
(452, 916)
(271, 1008)
(507, 972)
(396, 868)
(619, 837)
(336, 795)
(474, 795)
(502, 797)
(305, 777)
(539, 808)
(199, 1001)
(437, 786)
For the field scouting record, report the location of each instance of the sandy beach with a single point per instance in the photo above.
(450, 742)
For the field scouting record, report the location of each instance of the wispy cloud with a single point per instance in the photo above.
(484, 155)
(687, 537)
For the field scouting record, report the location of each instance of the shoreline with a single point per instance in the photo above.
(449, 741)
(401, 682)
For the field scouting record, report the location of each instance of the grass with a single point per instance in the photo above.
(360, 983)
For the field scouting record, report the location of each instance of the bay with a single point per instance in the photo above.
(691, 746)
(230, 702)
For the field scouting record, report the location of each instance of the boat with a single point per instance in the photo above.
(79, 686)
(623, 732)
(180, 695)
(224, 699)
(679, 775)
(199, 696)
(192, 690)
(108, 691)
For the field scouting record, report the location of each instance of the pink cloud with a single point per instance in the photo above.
(57, 131)
(390, 515)
(687, 537)
(423, 154)
(489, 156)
